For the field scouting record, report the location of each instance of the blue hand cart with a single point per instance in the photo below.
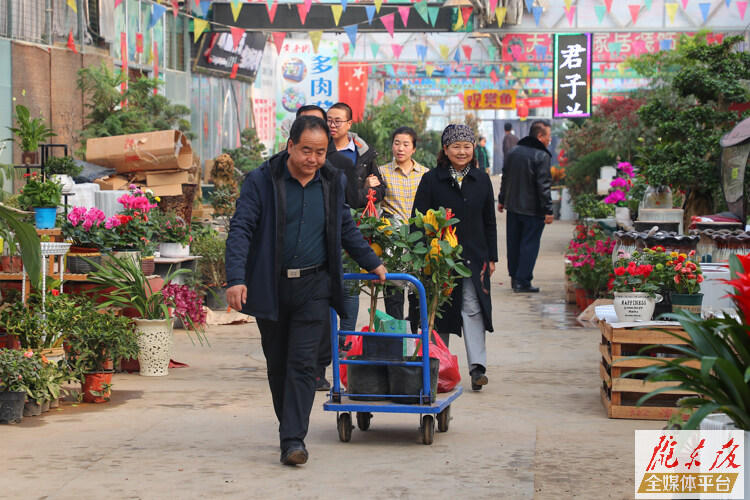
(427, 408)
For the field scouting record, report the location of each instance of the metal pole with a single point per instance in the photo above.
(81, 24)
(48, 16)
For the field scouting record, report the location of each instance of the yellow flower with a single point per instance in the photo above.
(429, 218)
(376, 248)
(434, 249)
(450, 236)
(157, 198)
(673, 254)
(427, 270)
(386, 223)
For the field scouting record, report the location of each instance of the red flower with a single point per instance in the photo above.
(55, 293)
(619, 271)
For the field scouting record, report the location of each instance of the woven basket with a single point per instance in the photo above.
(182, 205)
(77, 264)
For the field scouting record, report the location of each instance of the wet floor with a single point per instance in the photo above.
(560, 315)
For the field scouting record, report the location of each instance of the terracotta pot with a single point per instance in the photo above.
(94, 382)
(30, 158)
(148, 265)
(580, 297)
(12, 264)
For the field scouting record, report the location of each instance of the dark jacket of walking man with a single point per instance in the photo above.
(283, 263)
(525, 194)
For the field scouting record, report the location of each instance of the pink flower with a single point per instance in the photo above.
(28, 354)
(87, 224)
(112, 222)
(619, 182)
(76, 215)
(614, 197)
(626, 168)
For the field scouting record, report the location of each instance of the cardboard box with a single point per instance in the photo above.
(178, 177)
(112, 182)
(164, 150)
(167, 190)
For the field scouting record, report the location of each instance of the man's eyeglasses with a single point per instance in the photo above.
(336, 123)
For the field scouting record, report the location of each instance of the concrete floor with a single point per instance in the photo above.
(538, 430)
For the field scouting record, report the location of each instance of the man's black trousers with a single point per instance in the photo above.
(290, 346)
(523, 235)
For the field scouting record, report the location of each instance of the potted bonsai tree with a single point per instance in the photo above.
(62, 169)
(41, 196)
(29, 134)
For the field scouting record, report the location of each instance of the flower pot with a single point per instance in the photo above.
(407, 380)
(216, 298)
(580, 297)
(384, 349)
(45, 217)
(128, 253)
(720, 422)
(155, 344)
(54, 403)
(32, 408)
(634, 306)
(366, 379)
(691, 302)
(45, 406)
(65, 181)
(174, 250)
(11, 406)
(78, 262)
(30, 158)
(148, 265)
(664, 306)
(95, 382)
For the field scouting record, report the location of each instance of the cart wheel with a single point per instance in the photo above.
(363, 420)
(344, 426)
(443, 419)
(428, 429)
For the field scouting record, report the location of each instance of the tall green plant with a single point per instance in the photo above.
(28, 241)
(29, 133)
(249, 155)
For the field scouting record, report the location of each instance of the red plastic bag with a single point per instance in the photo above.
(449, 375)
(356, 350)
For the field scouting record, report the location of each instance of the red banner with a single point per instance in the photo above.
(353, 87)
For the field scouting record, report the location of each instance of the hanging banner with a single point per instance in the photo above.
(571, 81)
(217, 54)
(305, 78)
(264, 98)
(490, 99)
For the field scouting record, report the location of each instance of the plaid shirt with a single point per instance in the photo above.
(400, 189)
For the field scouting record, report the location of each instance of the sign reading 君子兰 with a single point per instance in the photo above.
(571, 82)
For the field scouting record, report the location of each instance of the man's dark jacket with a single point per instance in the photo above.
(256, 236)
(527, 180)
(341, 162)
(364, 168)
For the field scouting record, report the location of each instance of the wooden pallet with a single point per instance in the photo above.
(619, 395)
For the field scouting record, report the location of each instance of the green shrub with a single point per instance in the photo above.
(582, 174)
(590, 206)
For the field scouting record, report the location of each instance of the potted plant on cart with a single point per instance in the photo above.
(29, 134)
(123, 284)
(43, 196)
(18, 370)
(63, 169)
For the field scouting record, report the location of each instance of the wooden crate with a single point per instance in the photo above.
(619, 395)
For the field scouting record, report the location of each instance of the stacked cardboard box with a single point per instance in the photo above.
(155, 160)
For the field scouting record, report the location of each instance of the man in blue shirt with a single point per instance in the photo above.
(283, 263)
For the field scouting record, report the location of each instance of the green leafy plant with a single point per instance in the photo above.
(211, 247)
(28, 242)
(591, 206)
(36, 329)
(29, 132)
(582, 174)
(19, 370)
(223, 201)
(250, 154)
(172, 229)
(39, 193)
(62, 165)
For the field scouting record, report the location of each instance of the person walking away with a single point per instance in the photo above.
(367, 177)
(457, 183)
(283, 266)
(341, 162)
(525, 194)
(509, 140)
(401, 179)
(483, 160)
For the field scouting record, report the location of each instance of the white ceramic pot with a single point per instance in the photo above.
(155, 344)
(173, 250)
(634, 306)
(65, 181)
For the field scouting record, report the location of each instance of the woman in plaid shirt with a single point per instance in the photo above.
(401, 178)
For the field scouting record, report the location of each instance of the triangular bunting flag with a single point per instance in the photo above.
(457, 56)
(460, 21)
(524, 70)
(272, 11)
(444, 51)
(600, 11)
(493, 5)
(516, 51)
(494, 77)
(422, 51)
(387, 21)
(705, 7)
(428, 69)
(568, 3)
(375, 48)
(665, 44)
(278, 40)
(404, 13)
(199, 26)
(634, 11)
(315, 37)
(546, 69)
(396, 48)
(175, 8)
(343, 5)
(615, 48)
(466, 13)
(421, 8)
(337, 10)
(156, 12)
(351, 32)
(671, 11)
(488, 70)
(538, 14)
(728, 2)
(118, 2)
(500, 15)
(235, 68)
(529, 5)
(346, 49)
(541, 52)
(447, 70)
(390, 70)
(378, 3)
(71, 42)
(236, 8)
(608, 4)
(237, 34)
(205, 7)
(302, 10)
(441, 102)
(741, 7)
(72, 4)
(432, 12)
(648, 3)
(467, 70)
(684, 4)
(491, 52)
(380, 95)
(467, 51)
(370, 10)
(570, 13)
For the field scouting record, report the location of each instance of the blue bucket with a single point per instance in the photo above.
(45, 217)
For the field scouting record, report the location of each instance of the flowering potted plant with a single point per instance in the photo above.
(42, 196)
(123, 283)
(590, 268)
(136, 229)
(634, 289)
(89, 230)
(174, 235)
(685, 292)
(19, 370)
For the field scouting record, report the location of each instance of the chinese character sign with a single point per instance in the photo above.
(690, 464)
(490, 99)
(571, 86)
(304, 78)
